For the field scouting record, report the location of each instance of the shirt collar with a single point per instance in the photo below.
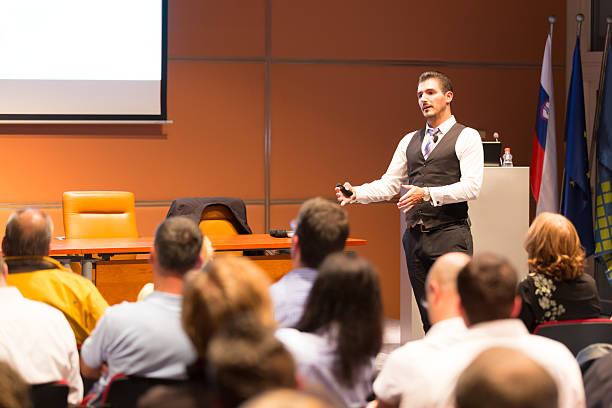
(498, 328)
(10, 292)
(453, 324)
(444, 127)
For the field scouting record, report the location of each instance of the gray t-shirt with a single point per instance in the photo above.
(140, 338)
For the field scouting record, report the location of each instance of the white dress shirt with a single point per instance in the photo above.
(405, 362)
(471, 161)
(37, 341)
(434, 384)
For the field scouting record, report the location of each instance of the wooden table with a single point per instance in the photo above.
(83, 250)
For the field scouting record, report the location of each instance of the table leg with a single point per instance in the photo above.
(87, 267)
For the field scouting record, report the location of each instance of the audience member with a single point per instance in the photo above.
(37, 341)
(14, 391)
(39, 277)
(505, 378)
(288, 398)
(146, 338)
(487, 288)
(556, 287)
(322, 228)
(598, 383)
(340, 333)
(246, 359)
(226, 287)
(448, 329)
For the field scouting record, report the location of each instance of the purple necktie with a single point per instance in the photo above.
(431, 133)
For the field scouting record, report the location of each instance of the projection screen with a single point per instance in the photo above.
(83, 59)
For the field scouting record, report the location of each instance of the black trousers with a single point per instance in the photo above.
(423, 248)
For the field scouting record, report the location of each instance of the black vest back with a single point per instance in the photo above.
(440, 169)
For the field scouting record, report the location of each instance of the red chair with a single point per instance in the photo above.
(50, 395)
(577, 334)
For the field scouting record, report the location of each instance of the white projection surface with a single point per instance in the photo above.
(80, 57)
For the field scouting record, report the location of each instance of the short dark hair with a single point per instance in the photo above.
(25, 237)
(346, 293)
(505, 378)
(246, 359)
(487, 288)
(445, 81)
(178, 241)
(322, 228)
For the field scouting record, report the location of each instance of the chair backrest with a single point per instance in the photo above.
(124, 391)
(577, 334)
(49, 395)
(99, 214)
(217, 220)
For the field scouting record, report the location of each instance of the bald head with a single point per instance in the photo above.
(288, 398)
(28, 233)
(441, 286)
(505, 378)
(446, 268)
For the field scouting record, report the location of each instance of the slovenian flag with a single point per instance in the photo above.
(544, 157)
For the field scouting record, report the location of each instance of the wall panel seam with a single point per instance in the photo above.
(363, 62)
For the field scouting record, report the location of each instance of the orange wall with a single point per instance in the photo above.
(333, 89)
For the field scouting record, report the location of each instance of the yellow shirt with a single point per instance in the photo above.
(45, 280)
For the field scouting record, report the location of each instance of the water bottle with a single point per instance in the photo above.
(507, 158)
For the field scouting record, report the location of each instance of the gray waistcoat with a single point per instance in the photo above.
(440, 169)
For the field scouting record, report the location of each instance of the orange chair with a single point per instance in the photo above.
(99, 214)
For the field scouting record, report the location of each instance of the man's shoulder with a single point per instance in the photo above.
(469, 132)
(295, 278)
(63, 276)
(410, 354)
(39, 310)
(127, 311)
(549, 346)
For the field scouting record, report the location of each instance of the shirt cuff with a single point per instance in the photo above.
(433, 197)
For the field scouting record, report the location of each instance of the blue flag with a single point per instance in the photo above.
(603, 223)
(577, 203)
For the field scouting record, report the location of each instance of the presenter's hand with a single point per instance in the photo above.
(412, 197)
(342, 200)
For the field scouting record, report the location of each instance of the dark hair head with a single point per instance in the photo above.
(246, 359)
(505, 378)
(487, 288)
(178, 241)
(553, 247)
(445, 81)
(345, 298)
(28, 233)
(322, 228)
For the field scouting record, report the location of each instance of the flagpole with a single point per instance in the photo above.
(579, 20)
(602, 74)
(552, 20)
